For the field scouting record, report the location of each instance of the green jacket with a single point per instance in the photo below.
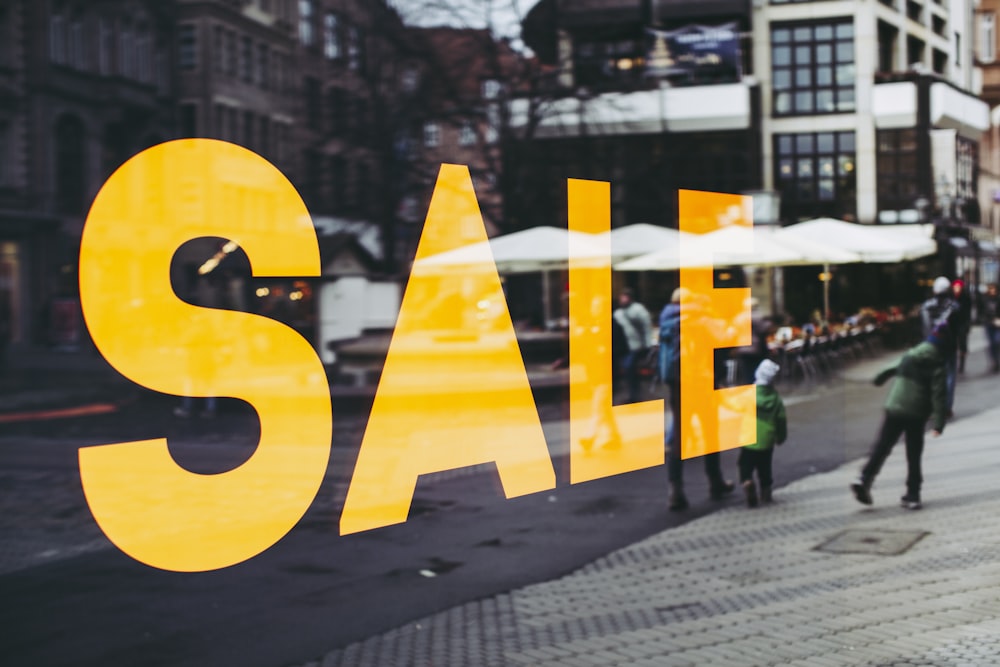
(772, 426)
(919, 390)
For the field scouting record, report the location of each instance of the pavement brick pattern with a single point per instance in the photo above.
(752, 587)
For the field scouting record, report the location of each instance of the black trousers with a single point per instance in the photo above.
(892, 427)
(759, 461)
(675, 465)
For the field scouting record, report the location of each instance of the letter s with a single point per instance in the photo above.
(151, 508)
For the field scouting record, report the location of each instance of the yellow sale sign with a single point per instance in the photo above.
(453, 339)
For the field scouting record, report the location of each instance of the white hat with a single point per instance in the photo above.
(766, 372)
(941, 285)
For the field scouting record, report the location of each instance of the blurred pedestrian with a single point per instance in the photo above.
(963, 321)
(683, 306)
(917, 393)
(990, 311)
(940, 306)
(638, 327)
(772, 429)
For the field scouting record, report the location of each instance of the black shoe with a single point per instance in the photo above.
(910, 501)
(862, 491)
(721, 490)
(765, 495)
(750, 490)
(678, 502)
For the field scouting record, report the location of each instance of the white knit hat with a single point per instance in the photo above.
(941, 285)
(766, 372)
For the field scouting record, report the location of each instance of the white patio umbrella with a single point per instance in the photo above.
(872, 243)
(526, 251)
(732, 245)
(535, 250)
(641, 238)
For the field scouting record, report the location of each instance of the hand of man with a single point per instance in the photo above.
(935, 434)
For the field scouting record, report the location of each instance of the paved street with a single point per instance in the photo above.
(472, 578)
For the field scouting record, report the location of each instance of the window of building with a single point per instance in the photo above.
(105, 45)
(338, 185)
(264, 140)
(246, 60)
(914, 51)
(263, 63)
(187, 52)
(467, 134)
(77, 46)
(57, 36)
(313, 102)
(491, 89)
(188, 119)
(335, 110)
(939, 61)
(607, 61)
(355, 48)
(813, 67)
(71, 165)
(939, 26)
(432, 135)
(986, 34)
(144, 54)
(897, 169)
(815, 172)
(966, 168)
(219, 45)
(887, 40)
(331, 36)
(915, 11)
(492, 133)
(5, 176)
(232, 54)
(306, 22)
(126, 55)
(249, 126)
(958, 49)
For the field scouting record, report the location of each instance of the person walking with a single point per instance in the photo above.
(772, 429)
(936, 308)
(990, 311)
(683, 306)
(638, 327)
(917, 393)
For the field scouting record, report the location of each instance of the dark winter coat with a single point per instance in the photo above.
(919, 389)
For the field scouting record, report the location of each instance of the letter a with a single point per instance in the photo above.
(454, 391)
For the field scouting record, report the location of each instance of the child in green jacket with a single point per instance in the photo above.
(772, 429)
(919, 392)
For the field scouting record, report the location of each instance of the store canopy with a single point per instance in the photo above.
(872, 243)
(526, 251)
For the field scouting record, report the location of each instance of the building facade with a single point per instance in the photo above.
(85, 85)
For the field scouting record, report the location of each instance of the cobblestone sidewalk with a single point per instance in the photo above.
(814, 579)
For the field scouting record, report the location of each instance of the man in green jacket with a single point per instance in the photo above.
(919, 392)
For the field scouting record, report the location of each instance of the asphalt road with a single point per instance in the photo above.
(67, 597)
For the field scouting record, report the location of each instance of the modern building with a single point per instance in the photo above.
(862, 110)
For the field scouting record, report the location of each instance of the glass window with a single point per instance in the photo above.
(816, 63)
(331, 36)
(432, 135)
(815, 173)
(187, 53)
(306, 22)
